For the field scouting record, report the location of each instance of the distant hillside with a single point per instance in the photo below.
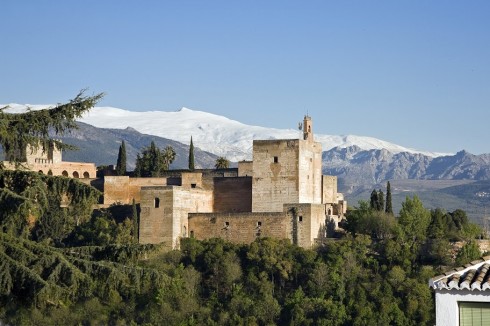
(101, 146)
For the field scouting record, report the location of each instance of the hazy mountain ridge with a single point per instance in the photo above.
(359, 169)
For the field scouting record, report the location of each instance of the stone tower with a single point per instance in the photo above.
(286, 171)
(307, 128)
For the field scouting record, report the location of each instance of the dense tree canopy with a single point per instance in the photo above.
(222, 163)
(152, 161)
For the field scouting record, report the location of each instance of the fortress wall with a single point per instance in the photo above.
(184, 202)
(156, 217)
(329, 189)
(241, 227)
(245, 169)
(123, 189)
(310, 172)
(67, 169)
(275, 178)
(232, 195)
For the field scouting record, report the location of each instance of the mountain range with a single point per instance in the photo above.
(361, 163)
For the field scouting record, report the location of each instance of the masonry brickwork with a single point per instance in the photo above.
(281, 193)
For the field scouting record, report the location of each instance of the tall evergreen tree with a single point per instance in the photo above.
(191, 156)
(389, 207)
(121, 160)
(374, 200)
(381, 201)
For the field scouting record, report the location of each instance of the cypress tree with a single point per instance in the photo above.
(373, 204)
(121, 160)
(381, 200)
(191, 156)
(389, 207)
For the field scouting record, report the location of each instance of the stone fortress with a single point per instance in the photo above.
(281, 193)
(50, 162)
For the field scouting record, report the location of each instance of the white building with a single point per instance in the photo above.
(463, 295)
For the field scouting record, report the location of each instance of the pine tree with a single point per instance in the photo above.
(191, 156)
(381, 201)
(121, 160)
(33, 127)
(389, 207)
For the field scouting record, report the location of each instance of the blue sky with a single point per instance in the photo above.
(416, 73)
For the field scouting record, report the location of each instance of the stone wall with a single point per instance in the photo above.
(329, 191)
(164, 212)
(122, 189)
(310, 171)
(301, 223)
(238, 227)
(275, 180)
(245, 169)
(232, 195)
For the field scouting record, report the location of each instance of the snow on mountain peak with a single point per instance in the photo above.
(213, 133)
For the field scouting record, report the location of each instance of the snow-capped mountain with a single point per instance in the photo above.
(214, 133)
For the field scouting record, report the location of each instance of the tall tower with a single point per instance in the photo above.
(307, 128)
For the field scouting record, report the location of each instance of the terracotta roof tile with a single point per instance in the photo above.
(475, 276)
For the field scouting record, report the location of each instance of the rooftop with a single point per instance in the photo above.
(472, 276)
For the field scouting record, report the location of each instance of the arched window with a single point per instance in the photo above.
(157, 202)
(50, 172)
(40, 172)
(86, 175)
(75, 175)
(64, 173)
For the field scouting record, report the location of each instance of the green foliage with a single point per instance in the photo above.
(42, 206)
(32, 127)
(222, 163)
(121, 160)
(191, 156)
(469, 252)
(152, 161)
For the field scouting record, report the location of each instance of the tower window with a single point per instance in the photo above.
(300, 218)
(157, 202)
(193, 185)
(227, 224)
(276, 159)
(259, 223)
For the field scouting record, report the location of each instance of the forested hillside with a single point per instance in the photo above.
(61, 264)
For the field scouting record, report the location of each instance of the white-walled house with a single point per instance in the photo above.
(463, 295)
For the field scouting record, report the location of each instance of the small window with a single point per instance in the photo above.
(227, 224)
(86, 175)
(193, 185)
(259, 223)
(157, 202)
(192, 233)
(76, 175)
(276, 159)
(300, 218)
(64, 173)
